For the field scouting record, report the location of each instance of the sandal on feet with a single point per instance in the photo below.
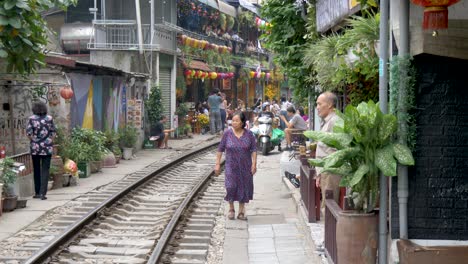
(241, 216)
(231, 214)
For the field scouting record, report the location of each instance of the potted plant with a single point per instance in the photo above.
(56, 175)
(128, 138)
(364, 139)
(7, 179)
(93, 143)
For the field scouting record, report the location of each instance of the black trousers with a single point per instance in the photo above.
(41, 166)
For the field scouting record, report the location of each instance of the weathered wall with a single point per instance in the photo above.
(452, 42)
(21, 94)
(438, 183)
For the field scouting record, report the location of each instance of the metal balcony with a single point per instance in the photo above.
(123, 35)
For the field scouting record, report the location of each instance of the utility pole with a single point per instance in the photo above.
(383, 102)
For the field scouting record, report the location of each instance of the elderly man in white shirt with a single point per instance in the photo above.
(326, 104)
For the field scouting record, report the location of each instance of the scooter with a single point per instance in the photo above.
(265, 132)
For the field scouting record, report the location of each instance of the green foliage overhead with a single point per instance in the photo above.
(288, 39)
(23, 32)
(364, 139)
(347, 61)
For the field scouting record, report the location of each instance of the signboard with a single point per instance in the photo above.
(134, 112)
(227, 84)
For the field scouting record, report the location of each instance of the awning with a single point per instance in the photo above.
(227, 9)
(211, 3)
(249, 6)
(196, 65)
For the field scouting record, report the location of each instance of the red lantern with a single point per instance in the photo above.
(66, 93)
(435, 13)
(188, 73)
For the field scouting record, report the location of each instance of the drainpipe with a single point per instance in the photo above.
(383, 102)
(152, 35)
(138, 18)
(403, 126)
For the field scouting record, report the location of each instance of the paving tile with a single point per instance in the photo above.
(261, 245)
(263, 257)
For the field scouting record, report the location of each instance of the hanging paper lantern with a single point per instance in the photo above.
(252, 74)
(435, 13)
(199, 74)
(231, 75)
(267, 75)
(188, 41)
(229, 49)
(263, 23)
(262, 75)
(259, 23)
(192, 73)
(188, 73)
(257, 75)
(67, 93)
(213, 75)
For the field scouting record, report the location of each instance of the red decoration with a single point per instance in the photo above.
(435, 13)
(66, 93)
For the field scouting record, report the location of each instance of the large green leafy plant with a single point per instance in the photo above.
(364, 140)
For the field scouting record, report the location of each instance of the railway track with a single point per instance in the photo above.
(133, 220)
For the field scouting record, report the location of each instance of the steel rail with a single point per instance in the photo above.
(49, 249)
(166, 235)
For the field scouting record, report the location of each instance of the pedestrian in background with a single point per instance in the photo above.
(214, 100)
(41, 133)
(241, 164)
(222, 108)
(295, 124)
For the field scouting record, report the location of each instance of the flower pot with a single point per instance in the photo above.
(96, 166)
(127, 153)
(57, 162)
(58, 181)
(9, 203)
(21, 203)
(84, 169)
(357, 237)
(109, 160)
(50, 184)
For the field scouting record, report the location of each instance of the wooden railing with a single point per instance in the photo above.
(24, 158)
(332, 213)
(310, 194)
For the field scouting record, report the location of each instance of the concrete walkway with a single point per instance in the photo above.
(12, 222)
(275, 231)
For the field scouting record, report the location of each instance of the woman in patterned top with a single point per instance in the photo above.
(41, 133)
(241, 164)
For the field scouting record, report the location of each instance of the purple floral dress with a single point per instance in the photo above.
(238, 169)
(41, 129)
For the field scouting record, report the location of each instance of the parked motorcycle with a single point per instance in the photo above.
(265, 132)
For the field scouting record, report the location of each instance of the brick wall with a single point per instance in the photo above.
(438, 183)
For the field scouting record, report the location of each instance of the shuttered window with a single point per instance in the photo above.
(165, 85)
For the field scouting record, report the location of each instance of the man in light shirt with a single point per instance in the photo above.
(326, 104)
(296, 123)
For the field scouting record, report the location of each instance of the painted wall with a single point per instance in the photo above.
(21, 94)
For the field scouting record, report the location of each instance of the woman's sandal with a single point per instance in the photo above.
(241, 216)
(231, 214)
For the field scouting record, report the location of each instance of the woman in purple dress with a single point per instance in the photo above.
(241, 164)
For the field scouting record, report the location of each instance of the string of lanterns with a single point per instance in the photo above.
(262, 24)
(259, 75)
(203, 44)
(197, 74)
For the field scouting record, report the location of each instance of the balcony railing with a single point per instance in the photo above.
(123, 35)
(332, 213)
(24, 158)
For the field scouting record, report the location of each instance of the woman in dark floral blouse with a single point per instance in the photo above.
(41, 132)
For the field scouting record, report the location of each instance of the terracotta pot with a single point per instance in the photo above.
(58, 181)
(357, 237)
(9, 203)
(57, 162)
(96, 166)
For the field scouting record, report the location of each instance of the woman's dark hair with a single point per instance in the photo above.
(242, 117)
(291, 109)
(283, 99)
(39, 108)
(301, 110)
